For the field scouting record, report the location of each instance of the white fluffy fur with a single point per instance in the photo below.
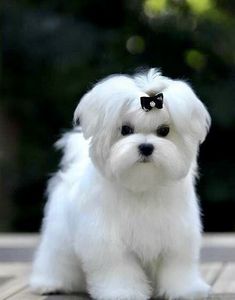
(114, 226)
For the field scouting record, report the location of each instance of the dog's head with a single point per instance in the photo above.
(142, 148)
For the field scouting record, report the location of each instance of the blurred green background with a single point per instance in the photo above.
(51, 53)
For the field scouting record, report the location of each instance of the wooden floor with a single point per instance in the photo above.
(16, 251)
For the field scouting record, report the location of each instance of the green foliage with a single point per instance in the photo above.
(54, 50)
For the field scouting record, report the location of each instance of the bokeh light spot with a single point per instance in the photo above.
(200, 6)
(151, 7)
(135, 44)
(195, 59)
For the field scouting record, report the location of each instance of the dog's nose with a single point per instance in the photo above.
(146, 149)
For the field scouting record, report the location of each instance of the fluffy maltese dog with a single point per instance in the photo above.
(122, 221)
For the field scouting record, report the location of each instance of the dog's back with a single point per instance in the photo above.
(74, 147)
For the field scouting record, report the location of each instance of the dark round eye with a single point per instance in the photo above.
(126, 130)
(163, 130)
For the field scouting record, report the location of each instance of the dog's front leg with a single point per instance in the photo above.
(112, 274)
(178, 277)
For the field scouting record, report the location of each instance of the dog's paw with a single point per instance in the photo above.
(120, 291)
(120, 294)
(44, 289)
(198, 289)
(48, 286)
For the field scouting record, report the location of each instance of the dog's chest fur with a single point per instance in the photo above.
(146, 224)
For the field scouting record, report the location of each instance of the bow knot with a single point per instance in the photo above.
(147, 103)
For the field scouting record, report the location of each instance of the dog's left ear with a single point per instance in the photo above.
(201, 120)
(187, 111)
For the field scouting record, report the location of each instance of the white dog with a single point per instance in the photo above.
(122, 220)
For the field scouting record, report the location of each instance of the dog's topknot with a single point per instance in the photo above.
(149, 82)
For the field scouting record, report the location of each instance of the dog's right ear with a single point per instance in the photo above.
(100, 108)
(86, 114)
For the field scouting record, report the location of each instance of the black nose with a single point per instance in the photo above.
(146, 149)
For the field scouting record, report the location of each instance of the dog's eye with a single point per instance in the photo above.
(163, 130)
(126, 130)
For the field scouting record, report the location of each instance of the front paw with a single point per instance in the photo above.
(197, 289)
(42, 287)
(48, 285)
(119, 289)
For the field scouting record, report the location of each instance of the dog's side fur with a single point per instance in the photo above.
(114, 226)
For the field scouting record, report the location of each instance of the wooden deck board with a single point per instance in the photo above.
(225, 283)
(25, 294)
(12, 287)
(211, 271)
(16, 253)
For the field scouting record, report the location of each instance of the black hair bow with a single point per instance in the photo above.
(147, 103)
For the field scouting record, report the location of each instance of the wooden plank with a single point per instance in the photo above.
(4, 279)
(12, 287)
(25, 294)
(18, 240)
(16, 254)
(225, 283)
(218, 239)
(14, 269)
(31, 240)
(214, 254)
(220, 297)
(210, 271)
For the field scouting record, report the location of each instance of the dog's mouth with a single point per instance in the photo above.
(144, 160)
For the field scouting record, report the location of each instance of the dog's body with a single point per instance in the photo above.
(123, 223)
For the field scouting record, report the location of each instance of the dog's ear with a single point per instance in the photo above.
(100, 109)
(87, 115)
(201, 121)
(187, 111)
